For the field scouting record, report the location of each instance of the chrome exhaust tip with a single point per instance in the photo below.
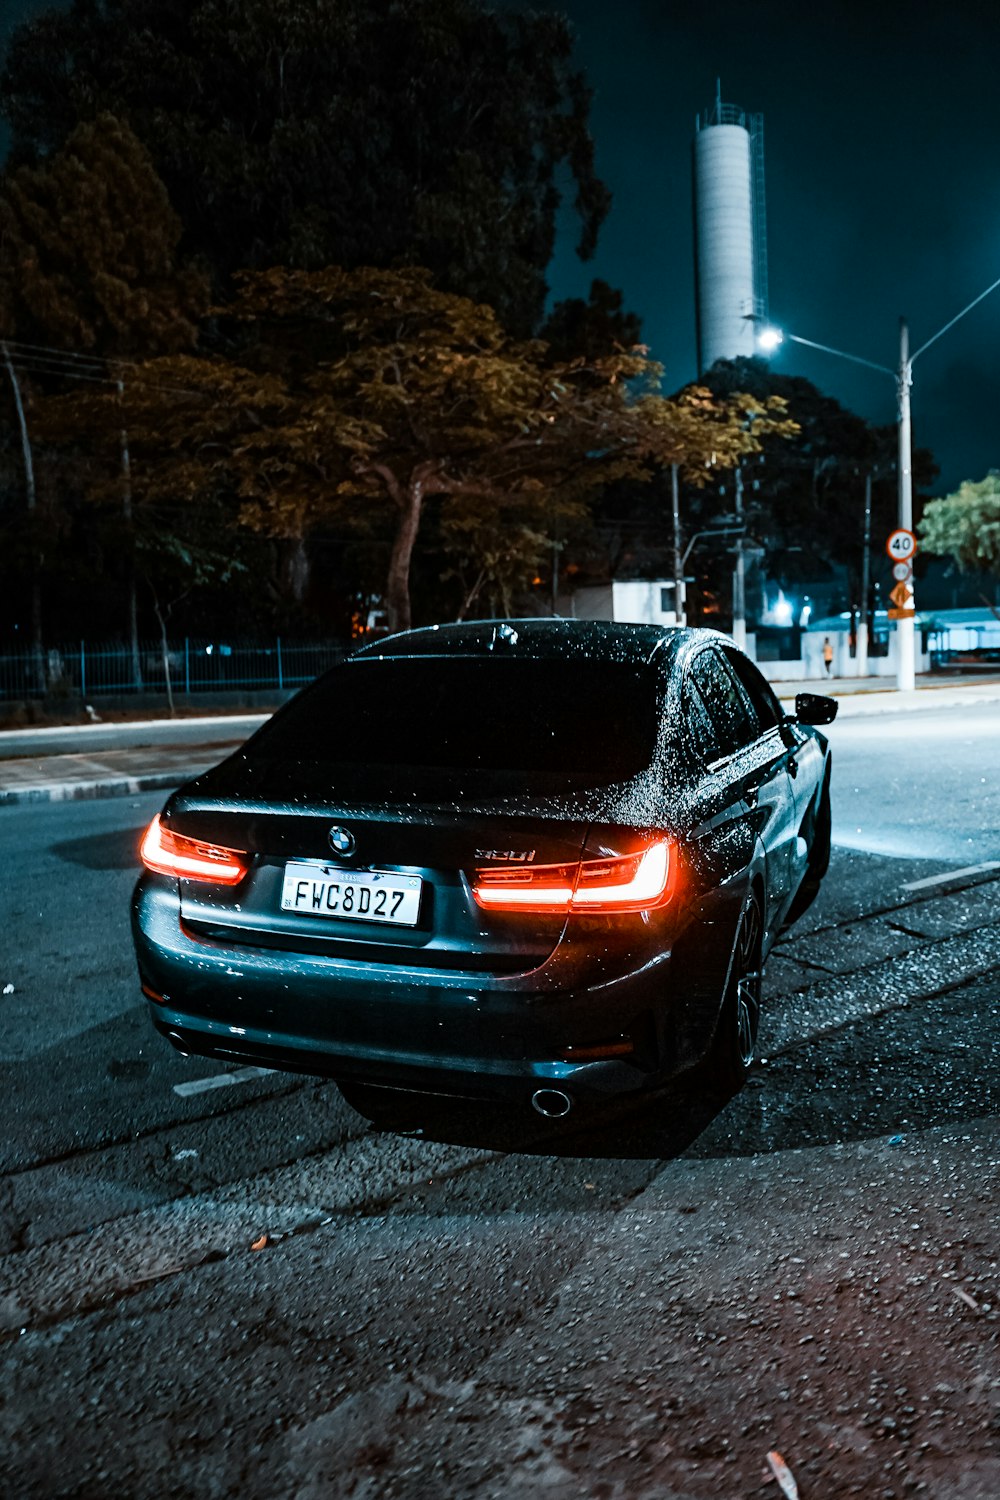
(552, 1103)
(178, 1042)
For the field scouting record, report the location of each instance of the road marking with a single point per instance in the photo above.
(919, 885)
(220, 1081)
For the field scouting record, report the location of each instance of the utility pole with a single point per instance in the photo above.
(905, 673)
(680, 603)
(739, 578)
(35, 626)
(862, 646)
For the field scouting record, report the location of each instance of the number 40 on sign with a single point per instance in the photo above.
(901, 545)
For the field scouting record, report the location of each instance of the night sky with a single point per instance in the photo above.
(882, 135)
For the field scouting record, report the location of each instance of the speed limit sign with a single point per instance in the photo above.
(901, 545)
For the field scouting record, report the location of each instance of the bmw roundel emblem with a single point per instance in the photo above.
(341, 840)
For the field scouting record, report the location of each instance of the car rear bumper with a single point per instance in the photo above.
(464, 1034)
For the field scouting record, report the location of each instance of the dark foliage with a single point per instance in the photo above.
(576, 329)
(314, 132)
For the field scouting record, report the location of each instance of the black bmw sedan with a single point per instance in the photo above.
(539, 861)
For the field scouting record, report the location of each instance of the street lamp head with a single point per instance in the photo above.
(769, 338)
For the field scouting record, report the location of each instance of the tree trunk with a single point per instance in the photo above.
(470, 597)
(397, 588)
(132, 601)
(165, 652)
(295, 570)
(165, 648)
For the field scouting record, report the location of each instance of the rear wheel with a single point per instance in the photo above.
(819, 859)
(736, 1036)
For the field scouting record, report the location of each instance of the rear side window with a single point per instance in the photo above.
(492, 714)
(757, 688)
(725, 701)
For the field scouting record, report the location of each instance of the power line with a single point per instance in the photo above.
(39, 365)
(45, 359)
(71, 354)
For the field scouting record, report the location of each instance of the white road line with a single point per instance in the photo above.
(220, 1081)
(919, 885)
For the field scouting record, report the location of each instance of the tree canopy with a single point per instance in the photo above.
(88, 251)
(320, 132)
(588, 330)
(965, 526)
(804, 497)
(353, 389)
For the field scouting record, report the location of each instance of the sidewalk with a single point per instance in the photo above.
(110, 773)
(39, 765)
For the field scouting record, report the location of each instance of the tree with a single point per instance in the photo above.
(89, 251)
(966, 525)
(318, 132)
(89, 262)
(372, 388)
(805, 497)
(587, 330)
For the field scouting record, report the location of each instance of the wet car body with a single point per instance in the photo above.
(441, 777)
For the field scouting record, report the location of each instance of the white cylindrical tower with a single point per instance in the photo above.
(730, 255)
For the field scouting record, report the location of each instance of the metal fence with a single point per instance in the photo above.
(88, 670)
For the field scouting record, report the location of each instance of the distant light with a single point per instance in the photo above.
(770, 338)
(782, 611)
(804, 617)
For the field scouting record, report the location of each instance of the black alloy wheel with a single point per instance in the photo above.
(736, 1037)
(819, 858)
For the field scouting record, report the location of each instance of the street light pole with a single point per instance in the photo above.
(739, 572)
(903, 376)
(680, 610)
(905, 627)
(862, 645)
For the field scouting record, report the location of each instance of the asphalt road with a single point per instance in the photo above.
(643, 1309)
(922, 785)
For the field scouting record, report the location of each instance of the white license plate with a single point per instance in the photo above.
(359, 895)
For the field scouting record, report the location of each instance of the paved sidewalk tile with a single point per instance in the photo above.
(113, 773)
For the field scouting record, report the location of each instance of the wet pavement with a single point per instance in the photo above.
(220, 1282)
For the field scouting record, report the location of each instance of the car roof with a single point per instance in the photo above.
(599, 640)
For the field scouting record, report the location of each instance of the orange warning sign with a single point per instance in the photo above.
(902, 596)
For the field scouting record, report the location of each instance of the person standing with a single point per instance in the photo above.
(827, 655)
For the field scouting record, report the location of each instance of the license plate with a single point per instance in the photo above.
(358, 895)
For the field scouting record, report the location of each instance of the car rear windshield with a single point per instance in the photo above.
(591, 717)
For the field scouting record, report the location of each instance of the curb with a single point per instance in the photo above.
(81, 791)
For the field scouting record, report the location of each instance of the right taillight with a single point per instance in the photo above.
(624, 883)
(170, 853)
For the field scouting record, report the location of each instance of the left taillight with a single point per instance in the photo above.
(170, 853)
(631, 882)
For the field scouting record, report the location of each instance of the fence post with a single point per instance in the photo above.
(83, 671)
(281, 682)
(187, 669)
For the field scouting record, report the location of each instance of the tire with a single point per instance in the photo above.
(819, 859)
(736, 1034)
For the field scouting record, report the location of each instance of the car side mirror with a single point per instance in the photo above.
(814, 708)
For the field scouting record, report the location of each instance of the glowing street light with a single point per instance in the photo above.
(770, 337)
